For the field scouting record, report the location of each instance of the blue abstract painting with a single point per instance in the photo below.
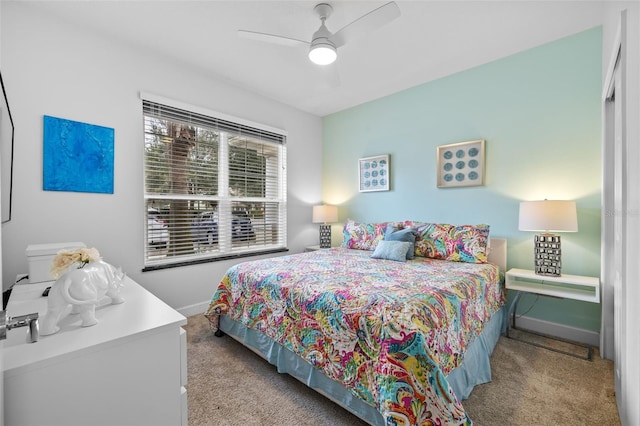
(78, 157)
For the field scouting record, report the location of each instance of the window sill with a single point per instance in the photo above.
(211, 259)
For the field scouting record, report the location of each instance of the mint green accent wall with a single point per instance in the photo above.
(539, 112)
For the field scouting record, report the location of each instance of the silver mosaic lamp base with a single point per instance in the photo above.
(325, 236)
(547, 255)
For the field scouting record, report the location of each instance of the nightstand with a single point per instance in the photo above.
(313, 248)
(576, 287)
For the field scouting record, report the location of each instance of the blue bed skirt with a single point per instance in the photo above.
(475, 369)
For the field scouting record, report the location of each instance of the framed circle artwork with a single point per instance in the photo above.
(373, 173)
(461, 164)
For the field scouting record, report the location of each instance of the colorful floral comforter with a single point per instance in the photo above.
(389, 331)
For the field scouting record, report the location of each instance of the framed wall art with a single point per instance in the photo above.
(373, 173)
(78, 157)
(461, 164)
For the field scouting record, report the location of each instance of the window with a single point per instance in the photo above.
(214, 188)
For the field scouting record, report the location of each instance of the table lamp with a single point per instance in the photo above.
(325, 214)
(548, 216)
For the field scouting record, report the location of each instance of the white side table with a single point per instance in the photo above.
(576, 287)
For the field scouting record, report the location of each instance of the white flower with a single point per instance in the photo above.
(66, 258)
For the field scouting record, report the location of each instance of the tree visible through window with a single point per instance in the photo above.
(213, 188)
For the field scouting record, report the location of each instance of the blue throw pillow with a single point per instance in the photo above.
(407, 234)
(392, 250)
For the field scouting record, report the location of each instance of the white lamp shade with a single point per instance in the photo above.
(548, 215)
(325, 214)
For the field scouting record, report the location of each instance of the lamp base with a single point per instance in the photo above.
(547, 255)
(325, 236)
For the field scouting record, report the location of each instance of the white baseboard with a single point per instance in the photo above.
(198, 308)
(562, 331)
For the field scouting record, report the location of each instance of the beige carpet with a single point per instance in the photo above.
(230, 385)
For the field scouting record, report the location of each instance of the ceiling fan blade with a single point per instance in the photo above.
(366, 23)
(270, 38)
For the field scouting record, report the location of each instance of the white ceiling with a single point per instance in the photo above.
(429, 40)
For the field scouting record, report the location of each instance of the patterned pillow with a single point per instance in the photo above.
(410, 224)
(392, 250)
(463, 243)
(362, 236)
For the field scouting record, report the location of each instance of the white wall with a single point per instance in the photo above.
(629, 400)
(53, 68)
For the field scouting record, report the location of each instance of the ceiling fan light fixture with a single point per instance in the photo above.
(324, 43)
(323, 53)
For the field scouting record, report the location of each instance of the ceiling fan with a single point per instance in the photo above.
(323, 47)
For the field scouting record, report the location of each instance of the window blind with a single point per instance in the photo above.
(214, 188)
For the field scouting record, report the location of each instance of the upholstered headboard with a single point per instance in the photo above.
(498, 252)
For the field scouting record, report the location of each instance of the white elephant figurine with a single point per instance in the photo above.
(83, 289)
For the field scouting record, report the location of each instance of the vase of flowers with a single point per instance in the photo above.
(83, 281)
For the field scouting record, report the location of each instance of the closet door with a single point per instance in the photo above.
(619, 232)
(613, 225)
(620, 339)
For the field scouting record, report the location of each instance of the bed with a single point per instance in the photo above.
(394, 340)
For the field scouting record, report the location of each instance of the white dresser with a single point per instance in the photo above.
(129, 369)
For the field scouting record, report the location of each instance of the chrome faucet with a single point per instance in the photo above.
(30, 320)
